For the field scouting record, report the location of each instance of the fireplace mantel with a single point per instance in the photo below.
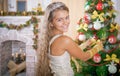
(25, 35)
(16, 19)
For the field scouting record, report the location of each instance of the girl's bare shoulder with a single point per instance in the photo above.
(64, 39)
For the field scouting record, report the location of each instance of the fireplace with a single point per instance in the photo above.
(11, 41)
(9, 51)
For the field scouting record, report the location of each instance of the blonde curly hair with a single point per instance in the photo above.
(42, 68)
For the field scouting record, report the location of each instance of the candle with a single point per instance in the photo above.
(24, 13)
(12, 54)
(1, 12)
(20, 51)
(24, 54)
(16, 55)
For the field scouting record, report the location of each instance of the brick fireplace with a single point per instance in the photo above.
(12, 40)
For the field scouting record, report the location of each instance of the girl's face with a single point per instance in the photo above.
(60, 21)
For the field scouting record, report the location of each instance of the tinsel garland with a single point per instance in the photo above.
(24, 13)
(33, 21)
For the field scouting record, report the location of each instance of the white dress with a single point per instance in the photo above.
(60, 65)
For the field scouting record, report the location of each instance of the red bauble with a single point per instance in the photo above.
(97, 58)
(86, 19)
(112, 39)
(99, 6)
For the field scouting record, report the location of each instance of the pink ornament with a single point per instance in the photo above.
(112, 39)
(99, 6)
(97, 58)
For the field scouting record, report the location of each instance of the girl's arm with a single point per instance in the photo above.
(87, 43)
(69, 45)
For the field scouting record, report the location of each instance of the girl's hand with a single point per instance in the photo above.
(90, 41)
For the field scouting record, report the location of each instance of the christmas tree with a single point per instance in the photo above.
(99, 23)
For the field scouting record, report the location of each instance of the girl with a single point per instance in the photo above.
(60, 47)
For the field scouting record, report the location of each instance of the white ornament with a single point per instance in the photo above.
(87, 7)
(112, 68)
(90, 26)
(97, 24)
(105, 4)
(82, 37)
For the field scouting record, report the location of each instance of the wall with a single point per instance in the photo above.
(30, 4)
(5, 56)
(116, 5)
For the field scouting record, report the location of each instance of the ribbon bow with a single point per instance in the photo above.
(112, 58)
(83, 26)
(111, 12)
(110, 3)
(100, 16)
(113, 27)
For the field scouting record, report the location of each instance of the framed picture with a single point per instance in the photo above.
(21, 6)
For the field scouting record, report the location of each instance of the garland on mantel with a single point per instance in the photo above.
(33, 21)
(24, 13)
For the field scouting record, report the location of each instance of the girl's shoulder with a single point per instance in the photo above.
(63, 39)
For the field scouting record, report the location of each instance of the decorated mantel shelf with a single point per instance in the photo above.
(15, 19)
(26, 35)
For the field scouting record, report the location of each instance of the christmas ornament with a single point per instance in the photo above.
(110, 3)
(112, 58)
(86, 18)
(82, 37)
(87, 5)
(99, 6)
(90, 26)
(105, 4)
(97, 58)
(99, 16)
(113, 27)
(112, 39)
(107, 48)
(95, 36)
(112, 68)
(83, 26)
(97, 25)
